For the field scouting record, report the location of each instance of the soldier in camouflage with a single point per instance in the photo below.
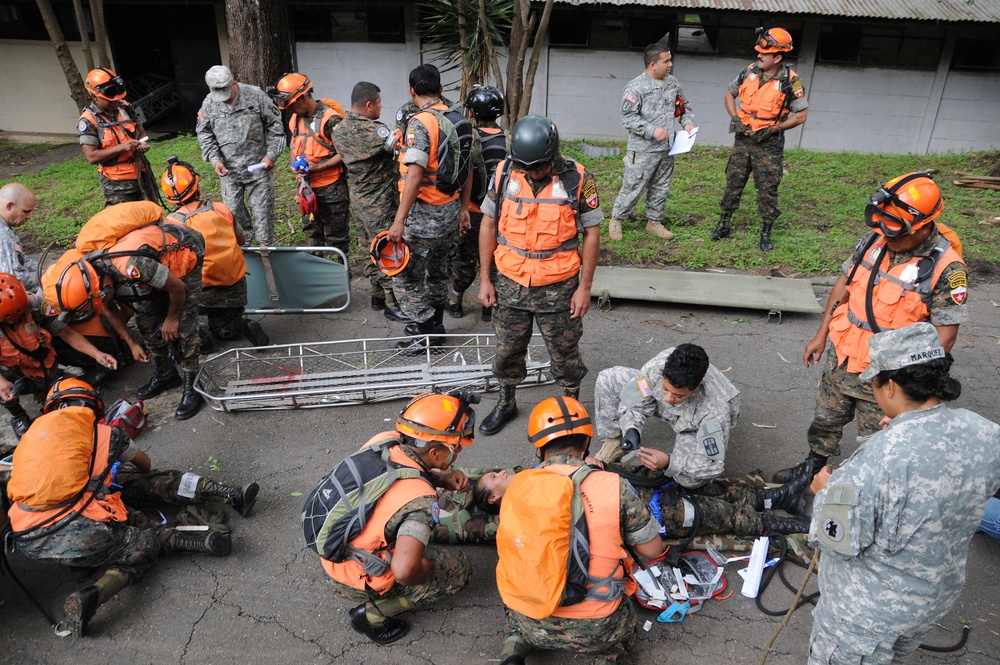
(239, 126)
(427, 218)
(684, 390)
(533, 277)
(603, 628)
(367, 146)
(17, 202)
(895, 520)
(919, 276)
(650, 103)
(772, 101)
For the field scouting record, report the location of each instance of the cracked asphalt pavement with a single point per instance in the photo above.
(269, 602)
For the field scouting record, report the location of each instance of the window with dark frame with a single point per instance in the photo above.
(977, 49)
(883, 45)
(348, 22)
(22, 20)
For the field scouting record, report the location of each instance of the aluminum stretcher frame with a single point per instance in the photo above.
(314, 282)
(356, 371)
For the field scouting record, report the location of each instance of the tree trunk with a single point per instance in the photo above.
(260, 49)
(81, 24)
(492, 60)
(73, 78)
(100, 33)
(536, 51)
(463, 41)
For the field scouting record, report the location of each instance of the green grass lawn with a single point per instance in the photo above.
(822, 198)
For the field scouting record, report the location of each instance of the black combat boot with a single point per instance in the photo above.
(205, 343)
(514, 659)
(421, 334)
(387, 632)
(817, 461)
(20, 421)
(191, 401)
(80, 608)
(241, 499)
(784, 525)
(395, 314)
(765, 237)
(165, 377)
(254, 333)
(722, 229)
(787, 496)
(455, 309)
(486, 315)
(504, 412)
(216, 543)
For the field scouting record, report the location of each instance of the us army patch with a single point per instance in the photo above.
(590, 194)
(958, 279)
(797, 89)
(643, 385)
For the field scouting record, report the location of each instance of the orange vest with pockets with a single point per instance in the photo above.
(313, 148)
(429, 193)
(223, 264)
(762, 107)
(112, 133)
(28, 336)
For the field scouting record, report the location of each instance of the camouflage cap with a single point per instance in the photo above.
(895, 349)
(220, 82)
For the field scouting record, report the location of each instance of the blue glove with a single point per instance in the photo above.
(300, 164)
(630, 441)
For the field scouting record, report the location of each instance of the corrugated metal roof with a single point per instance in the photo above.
(933, 10)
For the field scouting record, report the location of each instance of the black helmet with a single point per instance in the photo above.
(486, 102)
(534, 142)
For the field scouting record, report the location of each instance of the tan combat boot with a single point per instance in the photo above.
(615, 229)
(657, 229)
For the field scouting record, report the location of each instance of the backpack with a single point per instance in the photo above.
(338, 508)
(109, 225)
(543, 542)
(132, 417)
(488, 150)
(456, 145)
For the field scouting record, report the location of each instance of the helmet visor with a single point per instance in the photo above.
(890, 224)
(113, 89)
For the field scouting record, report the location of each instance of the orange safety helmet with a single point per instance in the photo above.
(775, 40)
(105, 84)
(180, 181)
(14, 303)
(440, 418)
(557, 417)
(70, 391)
(904, 204)
(78, 292)
(390, 257)
(290, 87)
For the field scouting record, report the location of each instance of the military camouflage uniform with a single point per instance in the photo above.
(450, 569)
(238, 135)
(367, 146)
(13, 260)
(841, 394)
(894, 524)
(646, 105)
(119, 191)
(702, 422)
(548, 305)
(423, 286)
(607, 639)
(151, 310)
(759, 153)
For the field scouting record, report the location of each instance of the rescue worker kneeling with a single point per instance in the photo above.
(588, 611)
(401, 572)
(69, 490)
(159, 265)
(223, 271)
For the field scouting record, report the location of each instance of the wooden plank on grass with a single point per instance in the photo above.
(703, 288)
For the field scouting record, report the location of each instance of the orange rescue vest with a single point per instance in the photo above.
(429, 193)
(57, 467)
(110, 224)
(538, 235)
(897, 299)
(26, 348)
(309, 139)
(223, 264)
(179, 258)
(112, 133)
(763, 106)
(372, 537)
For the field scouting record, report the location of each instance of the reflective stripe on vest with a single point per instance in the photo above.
(112, 133)
(896, 302)
(429, 193)
(304, 144)
(357, 571)
(223, 263)
(537, 235)
(763, 106)
(605, 576)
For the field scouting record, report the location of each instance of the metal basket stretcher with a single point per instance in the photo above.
(354, 371)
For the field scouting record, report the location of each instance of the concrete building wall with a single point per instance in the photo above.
(42, 103)
(969, 115)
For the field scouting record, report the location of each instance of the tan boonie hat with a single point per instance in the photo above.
(894, 349)
(220, 83)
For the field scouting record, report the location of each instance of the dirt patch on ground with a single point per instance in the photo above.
(19, 162)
